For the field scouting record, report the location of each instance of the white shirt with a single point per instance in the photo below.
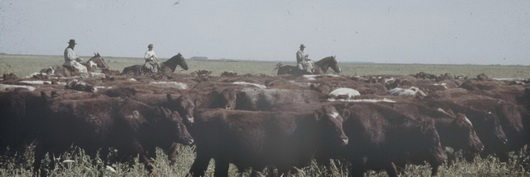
(150, 55)
(69, 55)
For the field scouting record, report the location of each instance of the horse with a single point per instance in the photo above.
(93, 63)
(166, 67)
(98, 61)
(320, 67)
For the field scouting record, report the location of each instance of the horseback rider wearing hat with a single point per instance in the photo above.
(303, 62)
(71, 60)
(151, 61)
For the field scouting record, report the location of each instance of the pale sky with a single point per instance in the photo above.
(383, 31)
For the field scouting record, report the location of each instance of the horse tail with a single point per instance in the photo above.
(277, 66)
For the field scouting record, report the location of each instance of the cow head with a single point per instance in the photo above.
(173, 125)
(330, 122)
(184, 105)
(226, 98)
(488, 128)
(463, 127)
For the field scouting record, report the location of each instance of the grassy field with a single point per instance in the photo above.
(23, 65)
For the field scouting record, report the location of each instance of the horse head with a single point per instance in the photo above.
(334, 64)
(328, 62)
(177, 60)
(100, 61)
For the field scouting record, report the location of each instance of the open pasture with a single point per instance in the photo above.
(23, 65)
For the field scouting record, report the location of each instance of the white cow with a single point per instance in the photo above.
(412, 91)
(346, 93)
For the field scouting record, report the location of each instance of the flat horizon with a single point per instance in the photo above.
(284, 60)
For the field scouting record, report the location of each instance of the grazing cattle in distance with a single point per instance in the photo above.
(382, 138)
(265, 99)
(132, 127)
(258, 139)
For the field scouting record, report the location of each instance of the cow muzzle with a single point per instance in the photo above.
(188, 141)
(190, 119)
(344, 141)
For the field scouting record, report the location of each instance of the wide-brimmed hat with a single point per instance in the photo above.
(302, 46)
(72, 41)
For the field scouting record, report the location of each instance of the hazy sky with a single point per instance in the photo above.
(404, 31)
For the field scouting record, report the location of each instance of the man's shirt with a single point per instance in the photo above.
(150, 55)
(69, 55)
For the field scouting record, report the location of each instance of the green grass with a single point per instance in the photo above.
(84, 165)
(23, 65)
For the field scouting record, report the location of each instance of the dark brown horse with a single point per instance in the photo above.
(166, 67)
(320, 67)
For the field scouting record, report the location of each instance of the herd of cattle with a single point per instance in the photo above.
(269, 122)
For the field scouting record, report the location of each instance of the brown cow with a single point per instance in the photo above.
(382, 137)
(509, 115)
(455, 130)
(486, 124)
(132, 127)
(258, 139)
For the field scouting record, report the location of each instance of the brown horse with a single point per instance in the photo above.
(166, 67)
(320, 67)
(93, 63)
(98, 61)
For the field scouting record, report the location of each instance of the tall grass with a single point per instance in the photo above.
(77, 163)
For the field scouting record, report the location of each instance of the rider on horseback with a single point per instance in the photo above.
(303, 62)
(71, 60)
(151, 61)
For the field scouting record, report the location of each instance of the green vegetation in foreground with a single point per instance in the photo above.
(77, 163)
(23, 65)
